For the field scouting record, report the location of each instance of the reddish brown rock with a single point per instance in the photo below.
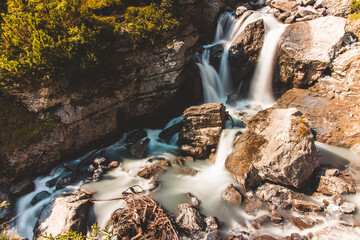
(232, 196)
(152, 171)
(302, 222)
(279, 138)
(202, 126)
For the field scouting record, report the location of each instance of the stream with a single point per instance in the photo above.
(212, 179)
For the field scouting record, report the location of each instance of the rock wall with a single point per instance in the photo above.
(153, 79)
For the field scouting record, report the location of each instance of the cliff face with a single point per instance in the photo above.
(153, 80)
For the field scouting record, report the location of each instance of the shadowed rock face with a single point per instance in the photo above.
(306, 49)
(202, 126)
(278, 146)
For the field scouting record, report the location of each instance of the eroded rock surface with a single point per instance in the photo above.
(64, 212)
(202, 126)
(307, 48)
(279, 138)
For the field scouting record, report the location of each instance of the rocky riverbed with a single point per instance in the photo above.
(234, 170)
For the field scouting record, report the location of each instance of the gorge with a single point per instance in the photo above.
(272, 153)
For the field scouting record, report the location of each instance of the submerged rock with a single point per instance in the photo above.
(202, 126)
(302, 222)
(307, 48)
(232, 196)
(138, 149)
(152, 171)
(168, 132)
(64, 212)
(39, 197)
(279, 138)
(65, 181)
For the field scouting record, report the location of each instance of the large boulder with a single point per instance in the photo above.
(278, 146)
(64, 212)
(202, 126)
(306, 49)
(245, 50)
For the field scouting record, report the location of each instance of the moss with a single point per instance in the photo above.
(301, 127)
(19, 128)
(355, 6)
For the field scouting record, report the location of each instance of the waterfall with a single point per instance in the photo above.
(261, 90)
(225, 146)
(217, 85)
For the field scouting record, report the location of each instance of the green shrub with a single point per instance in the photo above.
(149, 24)
(43, 40)
(355, 6)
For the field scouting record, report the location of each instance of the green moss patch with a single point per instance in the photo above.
(19, 128)
(355, 6)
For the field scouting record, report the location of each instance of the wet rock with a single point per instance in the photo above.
(276, 218)
(100, 162)
(97, 174)
(295, 236)
(64, 212)
(212, 157)
(244, 53)
(233, 237)
(6, 212)
(113, 164)
(308, 2)
(284, 16)
(302, 222)
(232, 196)
(188, 171)
(22, 188)
(189, 218)
(51, 183)
(263, 237)
(138, 149)
(213, 235)
(65, 181)
(284, 5)
(152, 171)
(212, 224)
(189, 158)
(334, 183)
(290, 19)
(136, 136)
(279, 138)
(338, 231)
(39, 197)
(202, 126)
(179, 161)
(348, 208)
(306, 49)
(90, 168)
(170, 131)
(305, 206)
(240, 10)
(253, 204)
(277, 196)
(260, 221)
(193, 200)
(165, 163)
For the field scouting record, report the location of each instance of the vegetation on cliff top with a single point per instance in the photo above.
(355, 6)
(52, 42)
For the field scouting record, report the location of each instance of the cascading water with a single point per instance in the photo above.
(212, 179)
(217, 85)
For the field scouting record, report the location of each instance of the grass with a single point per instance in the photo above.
(355, 6)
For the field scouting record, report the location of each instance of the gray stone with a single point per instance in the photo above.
(39, 197)
(64, 212)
